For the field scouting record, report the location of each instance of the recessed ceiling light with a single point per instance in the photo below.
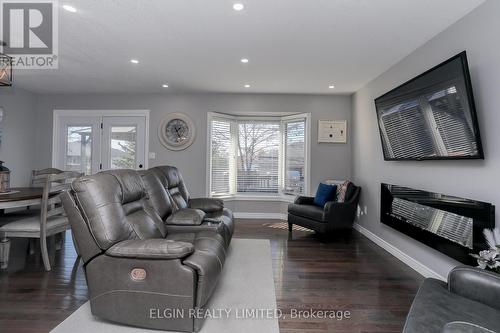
(247, 86)
(165, 86)
(244, 60)
(331, 86)
(69, 8)
(238, 6)
(134, 61)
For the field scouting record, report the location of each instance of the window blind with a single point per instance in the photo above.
(220, 157)
(258, 157)
(294, 156)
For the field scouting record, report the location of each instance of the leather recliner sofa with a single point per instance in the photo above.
(468, 303)
(135, 266)
(169, 195)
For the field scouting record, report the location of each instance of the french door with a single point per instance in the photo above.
(94, 143)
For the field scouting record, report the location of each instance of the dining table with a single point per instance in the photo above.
(20, 197)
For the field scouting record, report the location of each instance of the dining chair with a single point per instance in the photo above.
(51, 220)
(37, 179)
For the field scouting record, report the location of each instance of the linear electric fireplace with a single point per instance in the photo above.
(448, 224)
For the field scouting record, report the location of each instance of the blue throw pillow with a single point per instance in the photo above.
(324, 194)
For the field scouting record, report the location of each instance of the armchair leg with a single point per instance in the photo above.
(290, 226)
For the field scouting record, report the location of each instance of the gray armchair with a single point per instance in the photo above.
(469, 302)
(334, 216)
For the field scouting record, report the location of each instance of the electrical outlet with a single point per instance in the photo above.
(365, 210)
(359, 212)
(152, 155)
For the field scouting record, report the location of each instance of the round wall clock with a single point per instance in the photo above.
(177, 131)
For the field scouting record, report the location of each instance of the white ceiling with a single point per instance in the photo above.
(294, 46)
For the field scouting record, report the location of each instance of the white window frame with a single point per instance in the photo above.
(281, 196)
(58, 113)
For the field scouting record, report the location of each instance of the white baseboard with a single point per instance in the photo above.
(267, 216)
(406, 259)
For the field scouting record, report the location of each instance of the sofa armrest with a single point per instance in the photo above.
(208, 205)
(186, 216)
(151, 249)
(475, 284)
(464, 327)
(301, 200)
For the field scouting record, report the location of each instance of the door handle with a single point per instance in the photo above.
(140, 166)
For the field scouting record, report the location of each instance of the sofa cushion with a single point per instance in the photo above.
(115, 207)
(151, 249)
(434, 306)
(207, 241)
(156, 186)
(307, 211)
(342, 191)
(175, 185)
(325, 193)
(345, 189)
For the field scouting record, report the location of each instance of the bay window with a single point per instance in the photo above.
(262, 156)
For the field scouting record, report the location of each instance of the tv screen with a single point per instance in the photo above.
(432, 116)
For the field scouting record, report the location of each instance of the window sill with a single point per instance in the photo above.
(276, 198)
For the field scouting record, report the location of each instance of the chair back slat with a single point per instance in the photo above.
(54, 185)
(38, 177)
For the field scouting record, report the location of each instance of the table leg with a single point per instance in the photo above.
(4, 253)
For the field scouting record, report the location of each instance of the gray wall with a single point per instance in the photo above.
(18, 141)
(477, 33)
(328, 160)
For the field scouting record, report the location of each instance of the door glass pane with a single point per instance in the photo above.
(78, 155)
(123, 147)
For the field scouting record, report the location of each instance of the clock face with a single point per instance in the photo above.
(177, 131)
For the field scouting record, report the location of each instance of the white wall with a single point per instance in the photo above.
(328, 160)
(18, 141)
(477, 33)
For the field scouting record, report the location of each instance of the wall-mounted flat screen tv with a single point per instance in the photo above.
(431, 117)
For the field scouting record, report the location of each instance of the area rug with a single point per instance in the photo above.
(245, 290)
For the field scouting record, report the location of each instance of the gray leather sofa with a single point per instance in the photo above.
(169, 194)
(135, 266)
(468, 303)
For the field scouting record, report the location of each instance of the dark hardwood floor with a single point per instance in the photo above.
(344, 275)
